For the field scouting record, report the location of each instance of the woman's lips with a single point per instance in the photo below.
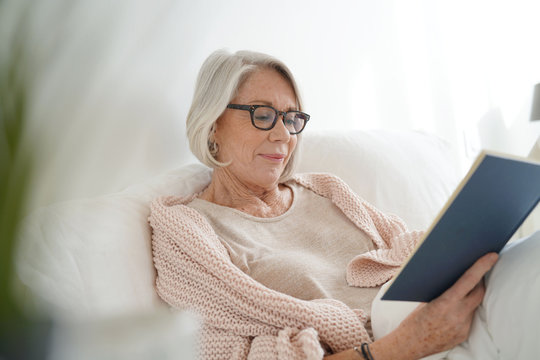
(274, 157)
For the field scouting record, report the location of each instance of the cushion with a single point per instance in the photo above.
(92, 257)
(407, 173)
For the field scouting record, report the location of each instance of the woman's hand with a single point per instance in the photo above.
(440, 324)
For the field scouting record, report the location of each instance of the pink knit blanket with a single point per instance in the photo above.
(244, 319)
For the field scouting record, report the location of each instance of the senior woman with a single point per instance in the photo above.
(278, 265)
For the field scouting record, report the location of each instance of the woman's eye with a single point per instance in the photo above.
(264, 118)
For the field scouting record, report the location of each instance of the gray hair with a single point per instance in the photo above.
(219, 79)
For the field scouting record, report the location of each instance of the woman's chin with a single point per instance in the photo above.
(268, 180)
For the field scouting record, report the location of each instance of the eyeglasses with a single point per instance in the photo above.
(265, 117)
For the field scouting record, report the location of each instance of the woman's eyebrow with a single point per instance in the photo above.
(269, 103)
(260, 102)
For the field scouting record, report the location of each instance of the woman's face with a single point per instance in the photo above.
(258, 157)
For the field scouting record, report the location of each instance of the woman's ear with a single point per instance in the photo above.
(212, 141)
(214, 131)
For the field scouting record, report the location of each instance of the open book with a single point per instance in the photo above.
(485, 210)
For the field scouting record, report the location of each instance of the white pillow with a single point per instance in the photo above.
(407, 173)
(92, 257)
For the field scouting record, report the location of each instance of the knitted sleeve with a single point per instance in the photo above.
(287, 344)
(396, 243)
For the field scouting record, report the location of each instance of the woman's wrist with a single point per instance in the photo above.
(393, 346)
(364, 352)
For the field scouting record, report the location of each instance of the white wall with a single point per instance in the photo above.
(112, 81)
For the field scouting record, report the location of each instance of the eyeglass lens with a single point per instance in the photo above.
(263, 117)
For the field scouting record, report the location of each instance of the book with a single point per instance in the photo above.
(483, 213)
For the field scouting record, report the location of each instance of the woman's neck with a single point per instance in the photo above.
(227, 190)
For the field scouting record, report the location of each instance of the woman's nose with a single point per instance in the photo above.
(279, 131)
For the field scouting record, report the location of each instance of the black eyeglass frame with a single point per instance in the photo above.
(252, 108)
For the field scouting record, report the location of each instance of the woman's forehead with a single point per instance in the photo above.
(267, 85)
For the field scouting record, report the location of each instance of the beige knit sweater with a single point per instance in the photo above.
(244, 319)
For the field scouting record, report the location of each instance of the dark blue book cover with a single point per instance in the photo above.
(484, 212)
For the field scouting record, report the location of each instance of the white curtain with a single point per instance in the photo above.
(111, 82)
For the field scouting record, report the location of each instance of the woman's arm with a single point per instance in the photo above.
(435, 326)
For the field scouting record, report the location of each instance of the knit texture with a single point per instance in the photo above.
(244, 319)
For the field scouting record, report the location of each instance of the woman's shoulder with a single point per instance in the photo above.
(171, 219)
(172, 209)
(174, 203)
(314, 175)
(325, 184)
(167, 201)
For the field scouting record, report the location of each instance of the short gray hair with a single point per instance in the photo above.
(219, 79)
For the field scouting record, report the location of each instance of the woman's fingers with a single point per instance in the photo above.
(476, 295)
(472, 277)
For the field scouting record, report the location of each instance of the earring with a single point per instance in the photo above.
(213, 148)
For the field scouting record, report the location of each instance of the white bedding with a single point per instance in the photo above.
(506, 325)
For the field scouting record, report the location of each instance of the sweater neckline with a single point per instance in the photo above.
(250, 217)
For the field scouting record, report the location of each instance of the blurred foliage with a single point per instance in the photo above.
(20, 336)
(14, 172)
